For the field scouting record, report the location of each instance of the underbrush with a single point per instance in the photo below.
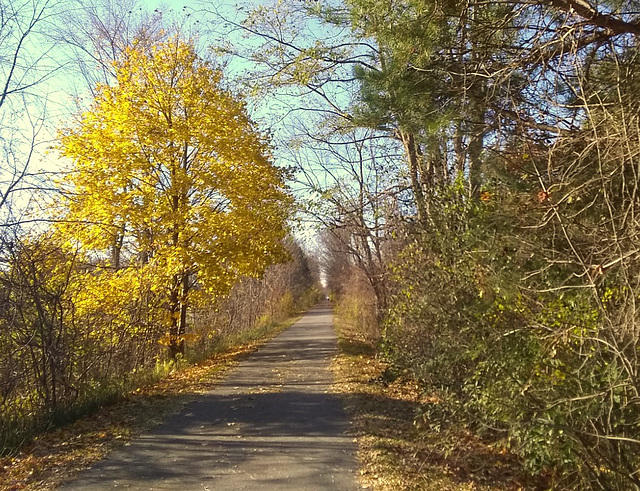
(23, 418)
(81, 438)
(397, 450)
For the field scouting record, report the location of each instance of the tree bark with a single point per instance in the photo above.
(413, 159)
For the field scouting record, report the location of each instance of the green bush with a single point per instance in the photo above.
(477, 316)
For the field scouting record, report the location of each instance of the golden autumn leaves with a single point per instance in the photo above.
(171, 179)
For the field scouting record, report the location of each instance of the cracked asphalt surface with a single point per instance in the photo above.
(271, 424)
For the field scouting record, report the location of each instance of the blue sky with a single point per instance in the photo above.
(60, 89)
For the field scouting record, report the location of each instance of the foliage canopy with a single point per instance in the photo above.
(171, 175)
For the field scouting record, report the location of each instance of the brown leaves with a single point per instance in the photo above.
(543, 196)
(395, 453)
(56, 456)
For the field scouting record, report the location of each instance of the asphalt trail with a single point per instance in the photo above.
(272, 424)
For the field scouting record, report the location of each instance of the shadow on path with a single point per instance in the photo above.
(270, 425)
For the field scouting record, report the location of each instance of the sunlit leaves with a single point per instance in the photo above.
(171, 174)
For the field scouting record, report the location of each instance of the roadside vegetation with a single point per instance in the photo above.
(396, 451)
(54, 456)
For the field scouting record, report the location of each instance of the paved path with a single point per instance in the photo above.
(270, 425)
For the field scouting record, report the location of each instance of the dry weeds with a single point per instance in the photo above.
(57, 456)
(394, 453)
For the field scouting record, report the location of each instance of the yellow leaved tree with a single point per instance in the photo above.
(171, 177)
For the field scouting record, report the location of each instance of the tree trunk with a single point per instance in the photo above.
(116, 248)
(176, 343)
(475, 149)
(178, 307)
(413, 159)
